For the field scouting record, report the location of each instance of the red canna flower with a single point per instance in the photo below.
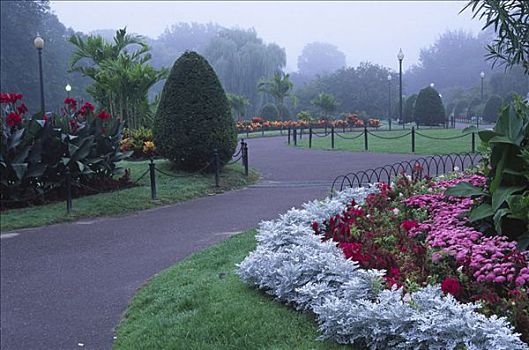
(452, 286)
(87, 106)
(70, 102)
(22, 109)
(13, 119)
(103, 115)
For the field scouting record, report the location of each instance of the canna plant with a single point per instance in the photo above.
(38, 151)
(504, 206)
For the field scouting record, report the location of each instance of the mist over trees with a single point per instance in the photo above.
(241, 59)
(320, 58)
(20, 22)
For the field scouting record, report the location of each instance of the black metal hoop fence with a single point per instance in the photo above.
(419, 168)
(294, 134)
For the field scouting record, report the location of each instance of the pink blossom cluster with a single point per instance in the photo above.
(491, 259)
(474, 179)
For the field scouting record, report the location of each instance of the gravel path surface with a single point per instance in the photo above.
(65, 286)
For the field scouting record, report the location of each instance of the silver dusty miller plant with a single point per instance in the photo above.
(349, 303)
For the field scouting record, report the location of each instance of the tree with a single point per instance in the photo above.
(320, 58)
(409, 107)
(510, 20)
(327, 103)
(194, 117)
(20, 21)
(269, 112)
(429, 109)
(121, 78)
(460, 108)
(492, 108)
(241, 60)
(238, 105)
(279, 87)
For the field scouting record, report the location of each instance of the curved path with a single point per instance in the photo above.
(65, 286)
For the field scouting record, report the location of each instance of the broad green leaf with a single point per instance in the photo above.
(498, 216)
(519, 210)
(523, 241)
(502, 194)
(480, 212)
(469, 129)
(486, 135)
(464, 189)
(503, 139)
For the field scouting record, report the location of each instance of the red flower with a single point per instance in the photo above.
(87, 106)
(409, 224)
(13, 119)
(70, 102)
(316, 227)
(22, 109)
(103, 115)
(452, 286)
(10, 98)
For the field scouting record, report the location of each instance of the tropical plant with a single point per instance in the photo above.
(305, 116)
(279, 87)
(429, 109)
(238, 105)
(37, 152)
(269, 112)
(327, 104)
(505, 205)
(509, 19)
(121, 77)
(194, 117)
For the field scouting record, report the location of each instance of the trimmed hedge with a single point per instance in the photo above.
(429, 109)
(492, 108)
(194, 116)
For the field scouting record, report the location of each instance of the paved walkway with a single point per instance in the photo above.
(69, 283)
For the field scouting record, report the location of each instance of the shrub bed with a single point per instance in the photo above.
(397, 266)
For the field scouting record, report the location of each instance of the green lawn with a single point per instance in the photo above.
(201, 304)
(169, 190)
(423, 145)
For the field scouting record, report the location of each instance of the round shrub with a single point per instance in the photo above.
(429, 109)
(409, 106)
(492, 108)
(269, 112)
(194, 116)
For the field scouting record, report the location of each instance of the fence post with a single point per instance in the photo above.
(310, 136)
(289, 135)
(295, 137)
(68, 191)
(473, 142)
(412, 139)
(245, 158)
(332, 137)
(217, 167)
(153, 179)
(365, 138)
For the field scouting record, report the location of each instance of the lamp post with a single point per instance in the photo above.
(389, 101)
(39, 45)
(68, 88)
(432, 85)
(400, 56)
(482, 76)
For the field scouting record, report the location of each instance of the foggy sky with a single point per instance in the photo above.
(365, 31)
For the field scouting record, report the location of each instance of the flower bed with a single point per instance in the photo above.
(396, 267)
(350, 121)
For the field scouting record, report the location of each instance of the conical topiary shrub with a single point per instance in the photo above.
(194, 116)
(429, 109)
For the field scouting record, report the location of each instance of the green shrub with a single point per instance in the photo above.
(460, 108)
(429, 109)
(194, 116)
(409, 107)
(269, 112)
(492, 108)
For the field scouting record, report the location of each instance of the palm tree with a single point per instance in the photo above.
(279, 87)
(326, 102)
(122, 77)
(238, 105)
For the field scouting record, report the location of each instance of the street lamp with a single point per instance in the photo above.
(432, 85)
(39, 45)
(482, 76)
(389, 101)
(68, 88)
(400, 56)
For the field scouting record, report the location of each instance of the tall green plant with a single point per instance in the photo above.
(280, 88)
(122, 77)
(326, 102)
(506, 199)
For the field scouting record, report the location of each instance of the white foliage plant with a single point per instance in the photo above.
(350, 303)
